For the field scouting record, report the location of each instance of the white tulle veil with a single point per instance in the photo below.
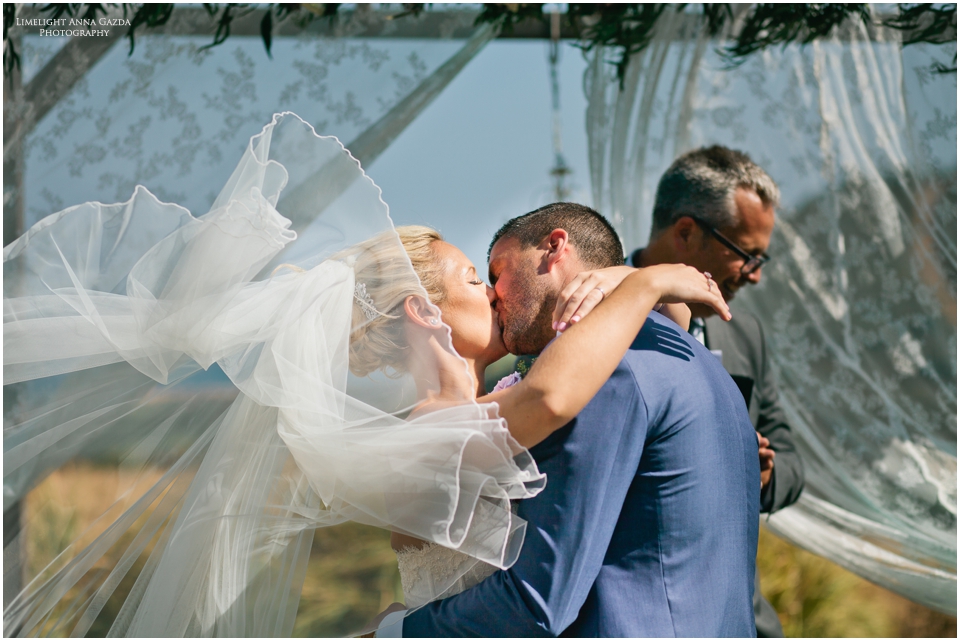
(110, 313)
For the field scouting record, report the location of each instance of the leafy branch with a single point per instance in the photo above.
(623, 28)
(627, 29)
(11, 58)
(927, 23)
(148, 15)
(781, 24)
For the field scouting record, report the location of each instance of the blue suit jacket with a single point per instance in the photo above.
(648, 524)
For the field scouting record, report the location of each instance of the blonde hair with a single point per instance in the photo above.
(383, 266)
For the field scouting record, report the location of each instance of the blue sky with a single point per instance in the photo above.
(481, 153)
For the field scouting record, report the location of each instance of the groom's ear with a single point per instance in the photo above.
(422, 312)
(557, 248)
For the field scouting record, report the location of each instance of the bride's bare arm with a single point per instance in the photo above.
(576, 365)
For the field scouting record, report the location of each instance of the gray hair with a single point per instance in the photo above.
(702, 183)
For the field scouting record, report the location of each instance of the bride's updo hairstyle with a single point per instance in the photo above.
(378, 340)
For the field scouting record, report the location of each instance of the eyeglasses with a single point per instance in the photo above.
(752, 262)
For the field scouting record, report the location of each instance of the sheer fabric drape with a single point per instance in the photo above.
(109, 335)
(859, 302)
(173, 117)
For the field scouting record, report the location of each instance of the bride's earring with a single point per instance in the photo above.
(434, 321)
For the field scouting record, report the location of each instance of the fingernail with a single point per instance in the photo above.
(575, 319)
(554, 326)
(561, 326)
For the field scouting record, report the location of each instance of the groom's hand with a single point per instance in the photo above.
(766, 460)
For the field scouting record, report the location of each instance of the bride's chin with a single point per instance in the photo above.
(497, 349)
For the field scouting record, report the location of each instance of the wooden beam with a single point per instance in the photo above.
(360, 23)
(12, 162)
(365, 22)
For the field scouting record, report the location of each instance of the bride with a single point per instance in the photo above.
(110, 311)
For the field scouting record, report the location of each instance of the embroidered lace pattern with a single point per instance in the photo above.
(425, 571)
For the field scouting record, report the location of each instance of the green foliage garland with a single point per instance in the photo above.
(623, 28)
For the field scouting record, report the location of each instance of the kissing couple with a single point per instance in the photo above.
(647, 525)
(613, 491)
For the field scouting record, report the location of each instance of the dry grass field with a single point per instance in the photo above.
(817, 598)
(64, 508)
(352, 573)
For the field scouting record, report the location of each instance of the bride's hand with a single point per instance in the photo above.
(683, 284)
(674, 283)
(585, 292)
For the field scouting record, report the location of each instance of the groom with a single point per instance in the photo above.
(648, 524)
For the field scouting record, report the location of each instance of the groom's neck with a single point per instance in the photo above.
(533, 348)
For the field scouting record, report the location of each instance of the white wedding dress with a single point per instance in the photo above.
(423, 570)
(110, 310)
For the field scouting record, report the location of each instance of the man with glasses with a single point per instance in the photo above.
(714, 210)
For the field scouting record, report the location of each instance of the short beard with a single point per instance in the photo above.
(528, 329)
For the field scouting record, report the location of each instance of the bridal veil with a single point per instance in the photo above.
(111, 312)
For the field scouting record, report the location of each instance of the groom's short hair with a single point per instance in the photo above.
(594, 238)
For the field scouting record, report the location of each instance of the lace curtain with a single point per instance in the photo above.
(175, 116)
(860, 299)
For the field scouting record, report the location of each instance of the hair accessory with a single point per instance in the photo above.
(365, 301)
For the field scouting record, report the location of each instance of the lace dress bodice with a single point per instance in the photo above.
(426, 572)
(434, 572)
